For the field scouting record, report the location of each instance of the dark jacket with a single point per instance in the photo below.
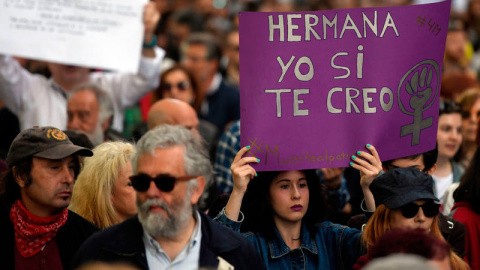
(452, 230)
(69, 238)
(123, 243)
(223, 106)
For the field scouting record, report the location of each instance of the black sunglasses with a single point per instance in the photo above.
(182, 86)
(410, 210)
(164, 182)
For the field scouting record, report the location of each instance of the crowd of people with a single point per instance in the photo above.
(108, 170)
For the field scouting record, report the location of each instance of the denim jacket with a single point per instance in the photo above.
(332, 247)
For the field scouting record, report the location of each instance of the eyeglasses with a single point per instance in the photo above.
(410, 210)
(182, 86)
(164, 182)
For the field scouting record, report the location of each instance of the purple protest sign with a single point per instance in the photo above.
(317, 86)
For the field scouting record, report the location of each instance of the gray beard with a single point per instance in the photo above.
(159, 226)
(97, 137)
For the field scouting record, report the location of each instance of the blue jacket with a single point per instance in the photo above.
(332, 247)
(123, 243)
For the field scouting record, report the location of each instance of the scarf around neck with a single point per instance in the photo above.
(32, 233)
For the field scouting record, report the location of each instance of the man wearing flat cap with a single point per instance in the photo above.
(37, 231)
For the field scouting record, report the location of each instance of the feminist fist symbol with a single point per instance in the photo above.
(420, 90)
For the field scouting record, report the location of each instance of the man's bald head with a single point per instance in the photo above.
(172, 112)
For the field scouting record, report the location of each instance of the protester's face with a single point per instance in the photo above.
(470, 122)
(51, 188)
(123, 195)
(455, 45)
(196, 61)
(178, 86)
(66, 74)
(82, 111)
(420, 221)
(165, 213)
(83, 115)
(449, 136)
(289, 196)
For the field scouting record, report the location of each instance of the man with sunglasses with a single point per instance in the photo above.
(370, 166)
(171, 169)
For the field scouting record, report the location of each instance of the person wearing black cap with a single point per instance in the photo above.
(36, 228)
(404, 199)
(370, 166)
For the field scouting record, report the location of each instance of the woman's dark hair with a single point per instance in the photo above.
(469, 188)
(258, 213)
(448, 107)
(158, 93)
(429, 159)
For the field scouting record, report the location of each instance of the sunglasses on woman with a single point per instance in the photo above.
(182, 86)
(410, 210)
(164, 182)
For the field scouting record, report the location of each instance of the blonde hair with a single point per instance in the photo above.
(380, 222)
(93, 189)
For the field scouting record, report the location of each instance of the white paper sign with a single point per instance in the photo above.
(105, 34)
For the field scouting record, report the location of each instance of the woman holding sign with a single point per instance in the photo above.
(283, 212)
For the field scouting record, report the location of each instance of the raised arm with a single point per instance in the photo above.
(16, 84)
(151, 16)
(369, 165)
(242, 173)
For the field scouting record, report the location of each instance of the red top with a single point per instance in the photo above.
(48, 258)
(471, 221)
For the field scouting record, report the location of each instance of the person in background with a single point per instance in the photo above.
(232, 52)
(103, 193)
(370, 166)
(227, 149)
(90, 110)
(449, 139)
(404, 199)
(178, 83)
(467, 209)
(36, 228)
(456, 59)
(177, 112)
(36, 100)
(470, 103)
(220, 103)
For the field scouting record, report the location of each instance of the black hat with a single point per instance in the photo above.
(400, 186)
(43, 142)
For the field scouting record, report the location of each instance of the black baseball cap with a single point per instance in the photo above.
(400, 186)
(43, 142)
